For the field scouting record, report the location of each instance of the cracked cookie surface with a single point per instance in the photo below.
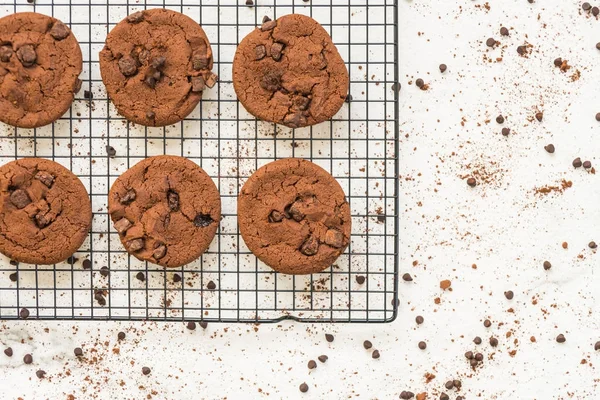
(40, 63)
(45, 211)
(293, 215)
(289, 72)
(166, 210)
(155, 65)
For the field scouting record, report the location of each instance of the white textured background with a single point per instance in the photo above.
(503, 226)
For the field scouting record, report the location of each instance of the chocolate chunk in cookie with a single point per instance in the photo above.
(260, 51)
(128, 66)
(44, 177)
(59, 31)
(203, 220)
(122, 225)
(128, 197)
(334, 238)
(20, 198)
(198, 84)
(310, 247)
(5, 53)
(159, 251)
(275, 216)
(136, 17)
(27, 55)
(173, 200)
(276, 51)
(135, 244)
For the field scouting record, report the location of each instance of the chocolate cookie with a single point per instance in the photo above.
(45, 211)
(40, 63)
(294, 216)
(155, 65)
(288, 71)
(166, 210)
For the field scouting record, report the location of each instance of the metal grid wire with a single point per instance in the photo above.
(358, 147)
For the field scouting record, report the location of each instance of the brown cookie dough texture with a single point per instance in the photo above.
(45, 211)
(289, 72)
(155, 65)
(40, 63)
(166, 210)
(294, 217)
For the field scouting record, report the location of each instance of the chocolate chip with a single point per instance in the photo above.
(360, 279)
(13, 277)
(479, 357)
(200, 60)
(271, 81)
(268, 25)
(191, 325)
(127, 65)
(558, 62)
(505, 131)
(493, 342)
(329, 337)
(367, 344)
(158, 63)
(140, 276)
(469, 355)
(444, 396)
(260, 52)
(302, 102)
(203, 220)
(40, 373)
(457, 383)
(211, 80)
(87, 94)
(312, 364)
(323, 358)
(477, 340)
(265, 19)
(504, 31)
(121, 335)
(59, 31)
(19, 198)
(487, 323)
(419, 320)
(176, 278)
(443, 68)
(473, 363)
(150, 81)
(99, 296)
(592, 245)
(561, 338)
(122, 225)
(173, 200)
(596, 346)
(595, 11)
(310, 247)
(72, 260)
(334, 238)
(406, 277)
(577, 162)
(28, 359)
(111, 151)
(549, 148)
(420, 83)
(136, 17)
(27, 55)
(375, 354)
(348, 98)
(500, 119)
(249, 3)
(491, 42)
(304, 388)
(159, 252)
(78, 351)
(87, 264)
(539, 116)
(397, 86)
(146, 371)
(598, 114)
(449, 385)
(24, 313)
(471, 182)
(422, 345)
(203, 324)
(128, 197)
(276, 51)
(198, 84)
(509, 294)
(294, 120)
(8, 352)
(211, 285)
(547, 265)
(522, 50)
(586, 6)
(587, 164)
(5, 53)
(45, 178)
(42, 220)
(275, 216)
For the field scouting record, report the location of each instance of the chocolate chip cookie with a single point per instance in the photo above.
(166, 210)
(289, 72)
(45, 211)
(40, 63)
(155, 65)
(294, 216)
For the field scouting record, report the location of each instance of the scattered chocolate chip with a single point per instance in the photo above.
(203, 220)
(348, 98)
(140, 276)
(597, 346)
(449, 385)
(5, 53)
(146, 370)
(444, 396)
(477, 340)
(586, 6)
(505, 131)
(375, 354)
(104, 271)
(323, 358)
(500, 119)
(99, 296)
(312, 364)
(19, 198)
(28, 359)
(457, 383)
(304, 388)
(493, 342)
(397, 86)
(473, 363)
(479, 357)
(598, 114)
(558, 62)
(549, 148)
(40, 373)
(13, 277)
(443, 68)
(592, 245)
(491, 42)
(203, 324)
(329, 337)
(487, 323)
(24, 313)
(422, 345)
(471, 182)
(509, 294)
(211, 285)
(587, 164)
(539, 116)
(45, 178)
(406, 277)
(249, 3)
(127, 65)
(360, 279)
(334, 238)
(121, 335)
(268, 25)
(88, 94)
(176, 278)
(595, 11)
(469, 355)
(561, 338)
(276, 51)
(136, 17)
(504, 31)
(419, 320)
(367, 344)
(72, 260)
(78, 351)
(191, 326)
(420, 83)
(59, 31)
(310, 247)
(8, 352)
(27, 55)
(135, 244)
(111, 151)
(522, 50)
(577, 162)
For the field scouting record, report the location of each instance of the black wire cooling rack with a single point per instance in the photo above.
(359, 147)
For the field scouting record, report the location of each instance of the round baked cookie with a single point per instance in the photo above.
(166, 210)
(289, 72)
(45, 211)
(294, 216)
(40, 63)
(155, 65)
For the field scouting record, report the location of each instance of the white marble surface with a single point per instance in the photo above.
(502, 226)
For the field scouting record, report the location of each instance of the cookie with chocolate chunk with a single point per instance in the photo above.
(289, 72)
(166, 210)
(40, 63)
(155, 65)
(45, 211)
(293, 215)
